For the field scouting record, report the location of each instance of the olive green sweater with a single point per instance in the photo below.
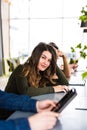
(19, 85)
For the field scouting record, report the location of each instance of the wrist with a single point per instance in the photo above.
(63, 56)
(54, 89)
(37, 106)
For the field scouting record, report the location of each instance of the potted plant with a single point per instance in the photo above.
(82, 50)
(83, 17)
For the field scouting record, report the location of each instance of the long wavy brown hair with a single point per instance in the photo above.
(35, 78)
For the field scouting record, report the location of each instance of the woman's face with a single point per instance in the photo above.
(44, 61)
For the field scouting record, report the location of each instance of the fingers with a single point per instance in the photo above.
(45, 105)
(61, 88)
(51, 114)
(50, 102)
(45, 120)
(52, 119)
(65, 88)
(51, 123)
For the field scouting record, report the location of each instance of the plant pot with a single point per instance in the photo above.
(84, 24)
(85, 30)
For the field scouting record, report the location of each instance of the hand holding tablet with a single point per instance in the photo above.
(68, 97)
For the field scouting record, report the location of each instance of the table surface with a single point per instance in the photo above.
(70, 118)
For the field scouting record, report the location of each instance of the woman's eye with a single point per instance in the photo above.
(43, 57)
(49, 61)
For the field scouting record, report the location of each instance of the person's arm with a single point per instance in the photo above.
(43, 120)
(19, 84)
(62, 78)
(32, 91)
(17, 102)
(24, 88)
(25, 103)
(66, 69)
(43, 107)
(16, 124)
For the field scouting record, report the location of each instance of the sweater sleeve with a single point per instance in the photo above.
(19, 85)
(16, 124)
(12, 101)
(24, 88)
(62, 78)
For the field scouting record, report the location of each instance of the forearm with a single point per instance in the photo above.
(29, 90)
(61, 76)
(17, 102)
(66, 67)
(32, 91)
(17, 124)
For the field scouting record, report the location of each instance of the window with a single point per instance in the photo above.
(33, 21)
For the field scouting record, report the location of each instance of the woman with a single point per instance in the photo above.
(35, 76)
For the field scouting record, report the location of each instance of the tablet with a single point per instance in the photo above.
(68, 97)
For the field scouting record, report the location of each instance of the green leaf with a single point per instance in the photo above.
(83, 54)
(85, 47)
(72, 49)
(84, 75)
(83, 17)
(79, 46)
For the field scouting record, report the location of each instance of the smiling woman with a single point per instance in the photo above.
(44, 61)
(36, 75)
(36, 72)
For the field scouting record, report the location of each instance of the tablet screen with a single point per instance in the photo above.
(68, 97)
